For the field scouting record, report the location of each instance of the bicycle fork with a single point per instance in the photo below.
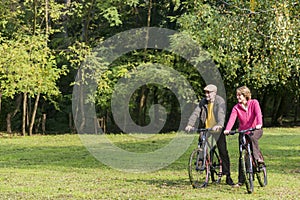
(250, 160)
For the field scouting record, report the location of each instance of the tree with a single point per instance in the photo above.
(29, 65)
(28, 68)
(253, 44)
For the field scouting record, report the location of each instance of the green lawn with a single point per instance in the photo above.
(60, 167)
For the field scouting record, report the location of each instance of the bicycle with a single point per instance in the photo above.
(204, 164)
(250, 165)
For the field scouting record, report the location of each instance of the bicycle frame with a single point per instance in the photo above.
(204, 160)
(247, 158)
(203, 144)
(246, 145)
(249, 164)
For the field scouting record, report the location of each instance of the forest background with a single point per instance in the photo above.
(43, 43)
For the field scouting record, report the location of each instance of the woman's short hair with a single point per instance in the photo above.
(245, 91)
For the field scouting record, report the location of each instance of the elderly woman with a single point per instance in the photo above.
(249, 114)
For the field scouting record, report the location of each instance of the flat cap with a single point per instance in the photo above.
(211, 88)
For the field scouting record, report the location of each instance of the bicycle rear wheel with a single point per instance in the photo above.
(248, 171)
(198, 169)
(262, 171)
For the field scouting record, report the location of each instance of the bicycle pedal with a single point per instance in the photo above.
(261, 165)
(203, 185)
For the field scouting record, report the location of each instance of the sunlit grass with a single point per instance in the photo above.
(60, 167)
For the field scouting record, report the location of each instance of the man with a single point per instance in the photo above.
(211, 112)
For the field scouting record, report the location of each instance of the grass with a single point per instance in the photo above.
(60, 167)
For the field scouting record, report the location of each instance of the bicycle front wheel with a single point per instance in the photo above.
(247, 171)
(262, 171)
(198, 169)
(216, 166)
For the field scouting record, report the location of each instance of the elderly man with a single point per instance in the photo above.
(211, 114)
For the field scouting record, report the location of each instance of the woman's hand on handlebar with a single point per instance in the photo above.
(226, 132)
(258, 126)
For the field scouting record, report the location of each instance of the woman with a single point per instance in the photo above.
(249, 115)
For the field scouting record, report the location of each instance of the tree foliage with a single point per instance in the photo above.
(254, 43)
(44, 42)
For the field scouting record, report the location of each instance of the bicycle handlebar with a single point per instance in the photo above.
(203, 129)
(242, 131)
(200, 130)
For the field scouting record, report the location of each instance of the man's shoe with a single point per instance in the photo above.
(237, 185)
(229, 181)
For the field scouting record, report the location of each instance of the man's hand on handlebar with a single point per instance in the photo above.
(189, 128)
(217, 128)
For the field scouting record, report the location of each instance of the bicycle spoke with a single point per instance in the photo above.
(198, 170)
(216, 167)
(247, 170)
(262, 176)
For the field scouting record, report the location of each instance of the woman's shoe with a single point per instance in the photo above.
(260, 160)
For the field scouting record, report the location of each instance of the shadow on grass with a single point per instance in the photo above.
(161, 183)
(46, 156)
(180, 183)
(280, 151)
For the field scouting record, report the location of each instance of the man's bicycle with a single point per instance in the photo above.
(250, 166)
(203, 163)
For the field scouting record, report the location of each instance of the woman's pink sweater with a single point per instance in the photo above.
(247, 118)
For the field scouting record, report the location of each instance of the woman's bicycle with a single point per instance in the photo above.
(203, 163)
(250, 166)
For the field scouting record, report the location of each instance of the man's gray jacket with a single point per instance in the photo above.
(200, 112)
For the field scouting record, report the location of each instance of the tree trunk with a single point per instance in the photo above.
(46, 19)
(104, 124)
(38, 124)
(44, 123)
(71, 125)
(149, 14)
(0, 101)
(81, 110)
(8, 123)
(78, 110)
(142, 104)
(34, 5)
(296, 105)
(86, 23)
(276, 103)
(24, 114)
(29, 110)
(36, 103)
(65, 18)
(281, 111)
(13, 113)
(264, 104)
(155, 101)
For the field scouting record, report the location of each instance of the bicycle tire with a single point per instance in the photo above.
(216, 167)
(262, 170)
(248, 171)
(198, 173)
